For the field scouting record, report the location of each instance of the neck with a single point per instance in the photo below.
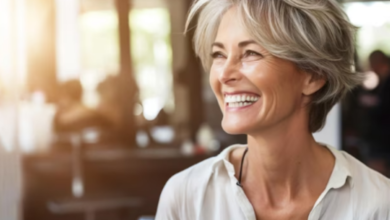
(285, 159)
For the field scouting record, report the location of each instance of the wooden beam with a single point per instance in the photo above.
(123, 9)
(194, 75)
(127, 83)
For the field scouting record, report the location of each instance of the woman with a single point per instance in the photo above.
(276, 67)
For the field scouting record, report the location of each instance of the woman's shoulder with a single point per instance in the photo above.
(181, 191)
(194, 174)
(184, 191)
(360, 174)
(365, 176)
(370, 189)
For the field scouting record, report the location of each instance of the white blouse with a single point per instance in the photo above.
(208, 191)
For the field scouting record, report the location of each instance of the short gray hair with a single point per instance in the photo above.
(314, 34)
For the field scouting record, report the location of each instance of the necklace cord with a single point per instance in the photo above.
(242, 163)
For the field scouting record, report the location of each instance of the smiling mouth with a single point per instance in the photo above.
(243, 100)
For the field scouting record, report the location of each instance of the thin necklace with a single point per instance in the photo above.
(242, 162)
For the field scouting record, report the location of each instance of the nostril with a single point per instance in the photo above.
(229, 74)
(228, 78)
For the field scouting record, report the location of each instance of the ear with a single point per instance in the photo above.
(312, 84)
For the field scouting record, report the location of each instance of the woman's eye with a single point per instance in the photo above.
(251, 53)
(216, 55)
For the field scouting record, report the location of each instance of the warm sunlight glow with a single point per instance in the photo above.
(371, 81)
(13, 66)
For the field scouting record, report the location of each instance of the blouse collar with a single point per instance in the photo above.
(341, 170)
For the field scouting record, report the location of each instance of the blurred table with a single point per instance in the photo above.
(108, 172)
(91, 206)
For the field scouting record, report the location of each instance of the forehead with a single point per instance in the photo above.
(231, 28)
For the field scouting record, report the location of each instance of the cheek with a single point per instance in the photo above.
(213, 80)
(279, 86)
(268, 80)
(215, 85)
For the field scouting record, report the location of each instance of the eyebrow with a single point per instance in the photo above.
(241, 44)
(246, 43)
(217, 44)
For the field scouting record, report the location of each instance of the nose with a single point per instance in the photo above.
(230, 72)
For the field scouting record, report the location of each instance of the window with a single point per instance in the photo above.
(152, 59)
(373, 21)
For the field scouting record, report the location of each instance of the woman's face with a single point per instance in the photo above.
(255, 90)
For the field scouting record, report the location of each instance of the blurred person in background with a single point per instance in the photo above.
(377, 131)
(111, 109)
(276, 68)
(72, 115)
(109, 106)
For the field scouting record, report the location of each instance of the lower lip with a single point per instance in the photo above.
(240, 108)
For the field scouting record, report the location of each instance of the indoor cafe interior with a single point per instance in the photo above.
(102, 101)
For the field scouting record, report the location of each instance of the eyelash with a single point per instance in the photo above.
(247, 53)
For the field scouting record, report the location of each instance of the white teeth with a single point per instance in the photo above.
(233, 104)
(240, 98)
(239, 104)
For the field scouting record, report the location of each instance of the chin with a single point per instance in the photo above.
(235, 128)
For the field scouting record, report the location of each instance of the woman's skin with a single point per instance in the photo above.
(285, 170)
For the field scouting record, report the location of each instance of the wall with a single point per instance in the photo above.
(331, 133)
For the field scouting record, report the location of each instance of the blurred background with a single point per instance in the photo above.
(101, 101)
